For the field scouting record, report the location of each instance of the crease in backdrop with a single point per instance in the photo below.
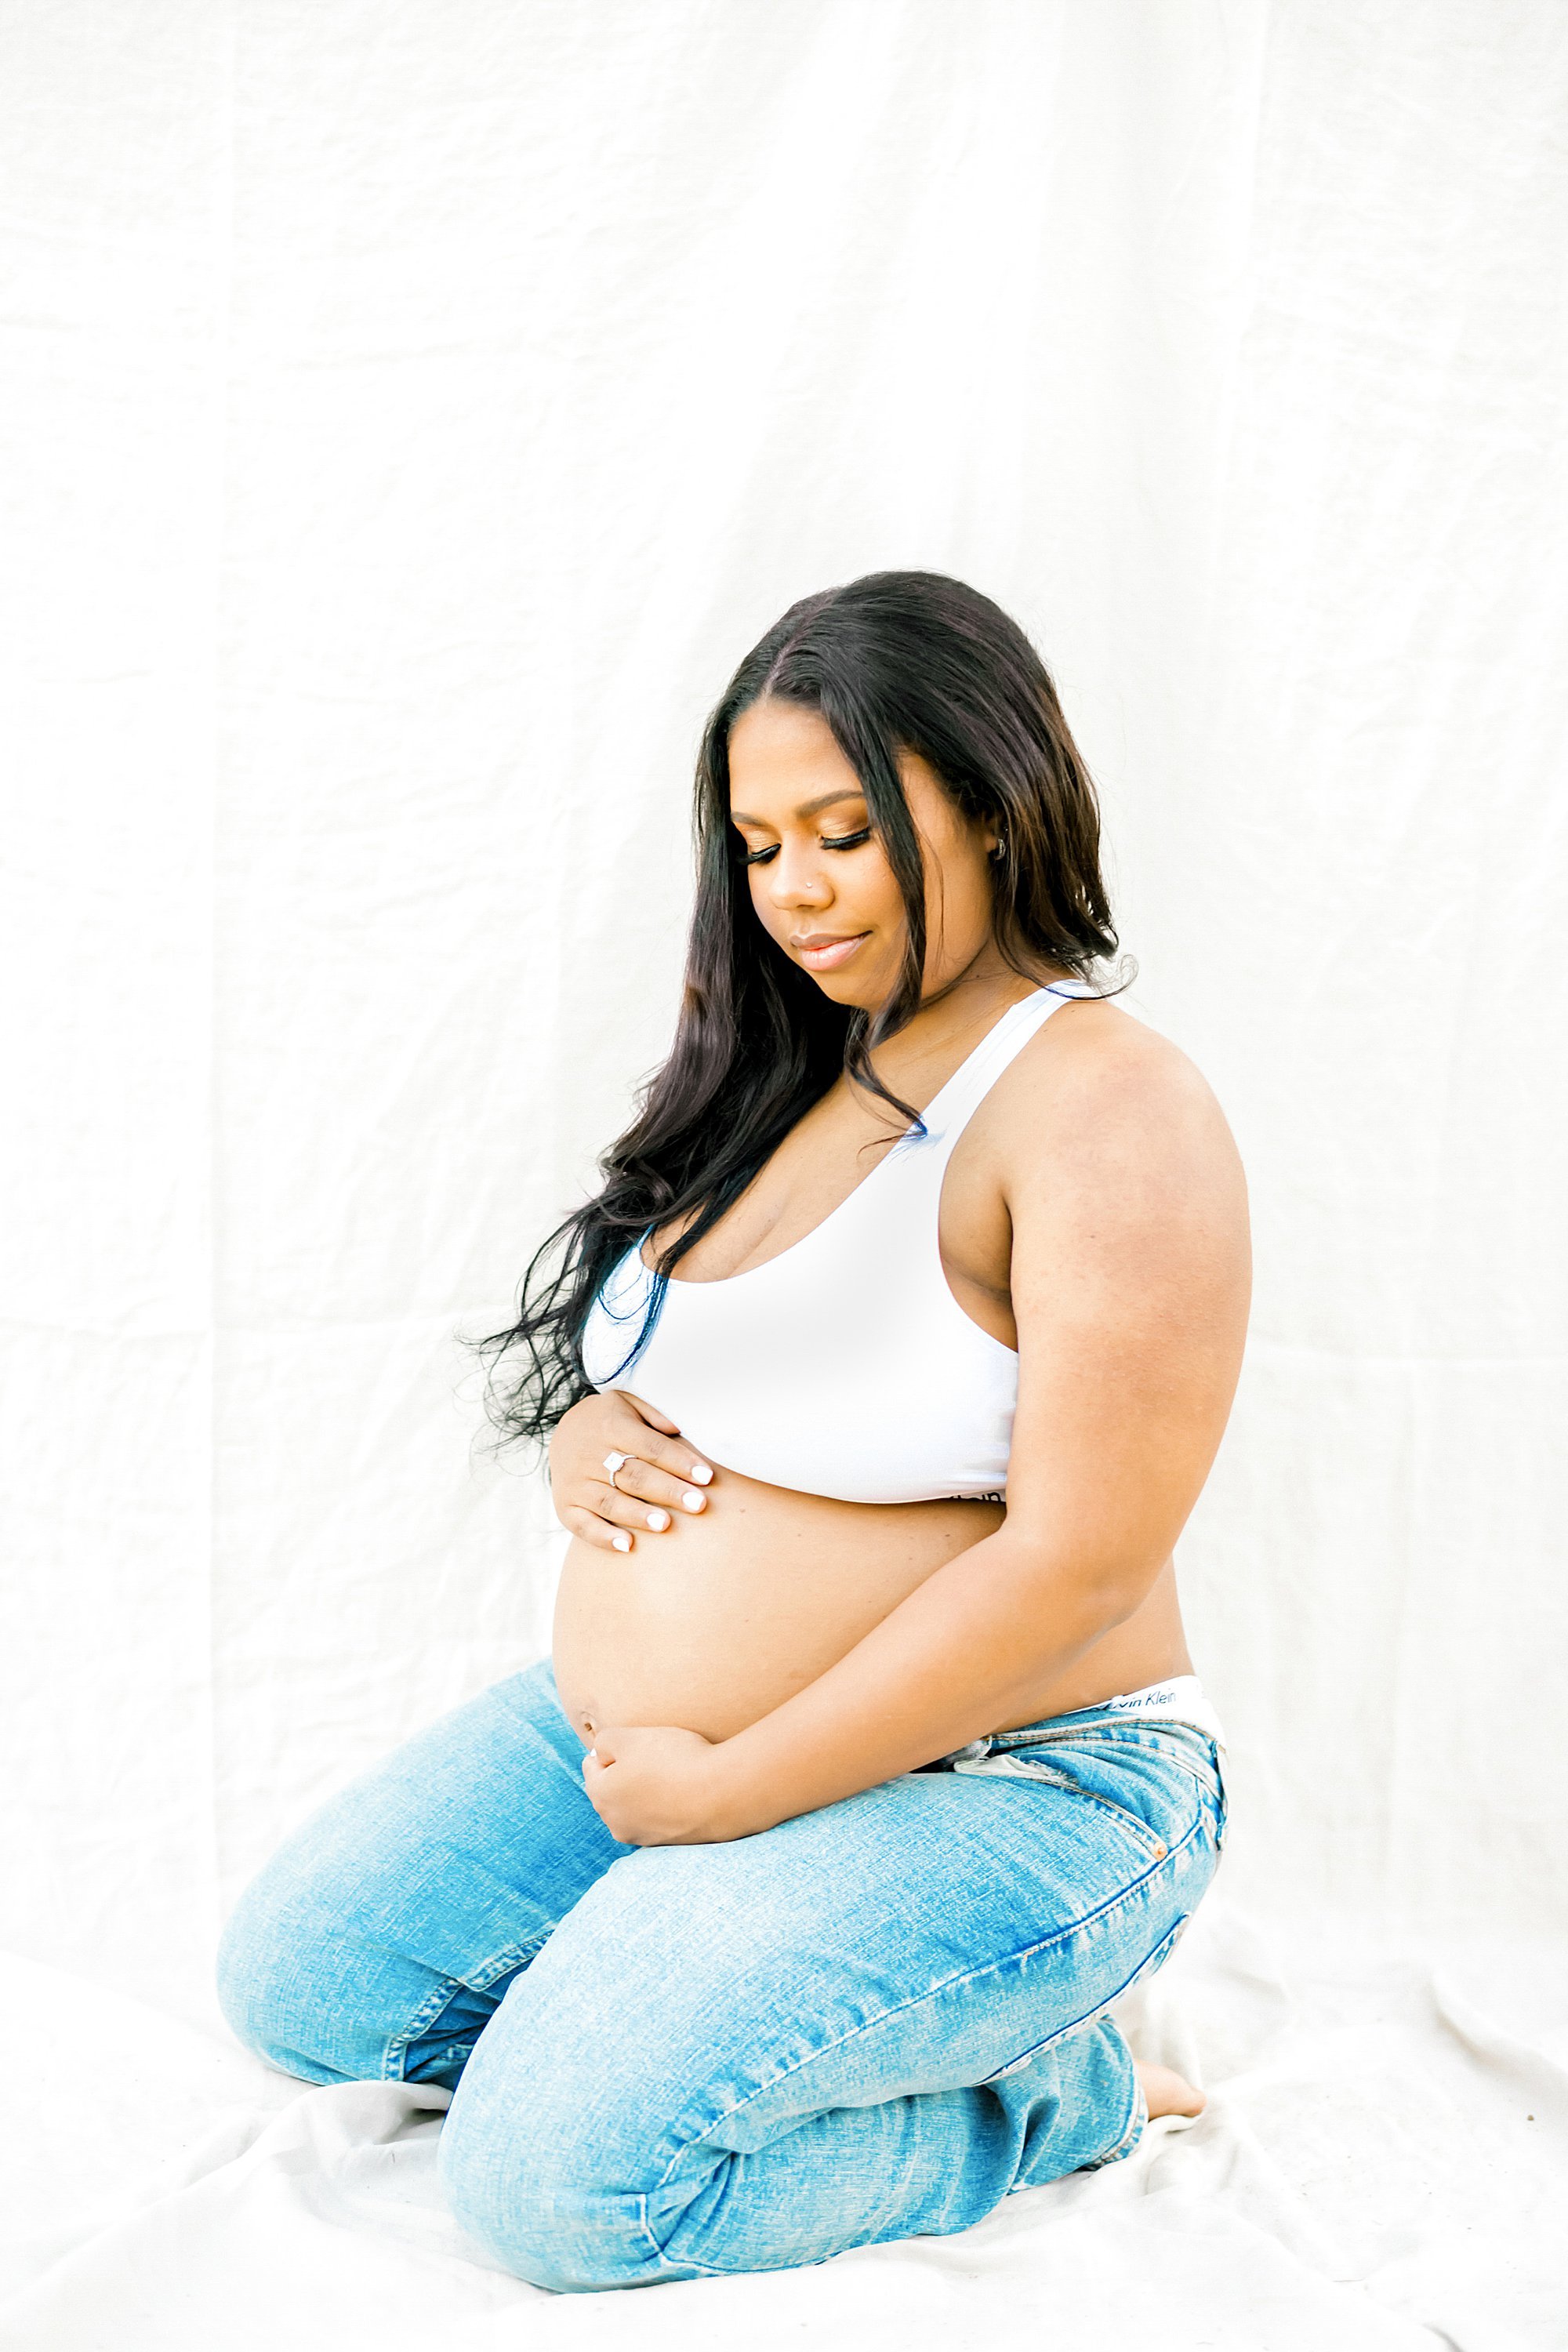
(414, 413)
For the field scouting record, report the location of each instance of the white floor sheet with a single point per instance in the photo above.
(417, 409)
(1381, 2167)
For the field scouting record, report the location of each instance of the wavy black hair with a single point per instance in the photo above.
(898, 661)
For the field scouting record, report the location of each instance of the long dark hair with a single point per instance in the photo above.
(906, 661)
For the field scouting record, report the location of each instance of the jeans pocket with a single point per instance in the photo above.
(1022, 1765)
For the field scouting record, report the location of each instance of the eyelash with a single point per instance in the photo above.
(843, 841)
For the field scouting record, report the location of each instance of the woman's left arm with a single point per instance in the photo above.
(1129, 1281)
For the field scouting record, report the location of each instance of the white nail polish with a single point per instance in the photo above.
(692, 1500)
(659, 1518)
(622, 1542)
(702, 1473)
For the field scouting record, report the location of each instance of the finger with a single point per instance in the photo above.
(651, 1414)
(679, 1459)
(648, 1485)
(625, 1508)
(595, 1530)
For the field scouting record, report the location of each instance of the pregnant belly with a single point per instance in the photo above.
(726, 1615)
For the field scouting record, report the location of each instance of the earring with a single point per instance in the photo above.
(999, 853)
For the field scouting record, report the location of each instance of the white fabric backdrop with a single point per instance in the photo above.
(414, 410)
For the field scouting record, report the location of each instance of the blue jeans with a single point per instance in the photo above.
(871, 2021)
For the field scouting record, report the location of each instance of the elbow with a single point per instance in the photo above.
(1087, 1593)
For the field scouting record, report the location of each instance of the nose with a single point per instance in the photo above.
(796, 878)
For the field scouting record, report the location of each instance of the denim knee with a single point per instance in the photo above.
(535, 2180)
(281, 1976)
(253, 1966)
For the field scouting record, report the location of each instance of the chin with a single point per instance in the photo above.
(845, 990)
(860, 986)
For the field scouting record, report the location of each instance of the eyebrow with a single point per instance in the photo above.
(807, 808)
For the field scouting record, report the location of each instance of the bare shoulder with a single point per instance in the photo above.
(1099, 1105)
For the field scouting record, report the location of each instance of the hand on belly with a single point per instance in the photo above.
(722, 1618)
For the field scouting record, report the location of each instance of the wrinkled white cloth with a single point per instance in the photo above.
(414, 412)
(1379, 2167)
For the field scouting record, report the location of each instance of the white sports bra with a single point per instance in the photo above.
(919, 1405)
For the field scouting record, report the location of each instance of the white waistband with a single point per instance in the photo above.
(1181, 1700)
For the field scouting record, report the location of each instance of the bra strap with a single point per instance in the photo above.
(950, 1109)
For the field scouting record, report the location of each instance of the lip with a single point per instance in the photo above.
(822, 951)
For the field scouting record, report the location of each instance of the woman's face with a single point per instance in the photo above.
(820, 883)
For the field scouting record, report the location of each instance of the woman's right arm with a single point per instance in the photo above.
(661, 1474)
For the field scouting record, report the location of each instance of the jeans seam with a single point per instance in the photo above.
(1132, 2133)
(1146, 1967)
(917, 2000)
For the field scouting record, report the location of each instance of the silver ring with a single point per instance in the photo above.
(613, 1461)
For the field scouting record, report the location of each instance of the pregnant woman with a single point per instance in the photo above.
(782, 1912)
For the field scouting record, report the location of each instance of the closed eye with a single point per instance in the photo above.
(833, 841)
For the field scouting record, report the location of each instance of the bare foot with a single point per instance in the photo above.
(1168, 2092)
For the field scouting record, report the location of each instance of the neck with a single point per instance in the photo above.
(954, 1016)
